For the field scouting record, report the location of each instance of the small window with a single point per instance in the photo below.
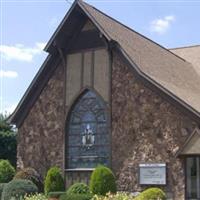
(88, 142)
(193, 178)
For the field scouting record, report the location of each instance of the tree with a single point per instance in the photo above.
(8, 143)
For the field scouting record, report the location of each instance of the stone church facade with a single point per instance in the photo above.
(98, 99)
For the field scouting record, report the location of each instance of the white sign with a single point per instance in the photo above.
(153, 174)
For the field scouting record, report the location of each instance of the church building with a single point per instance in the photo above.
(108, 95)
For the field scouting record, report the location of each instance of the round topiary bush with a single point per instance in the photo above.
(7, 171)
(78, 188)
(152, 193)
(102, 181)
(31, 175)
(54, 181)
(18, 188)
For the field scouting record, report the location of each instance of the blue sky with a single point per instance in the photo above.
(27, 25)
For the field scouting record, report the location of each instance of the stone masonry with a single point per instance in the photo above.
(145, 128)
(41, 136)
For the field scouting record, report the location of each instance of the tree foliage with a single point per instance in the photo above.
(8, 143)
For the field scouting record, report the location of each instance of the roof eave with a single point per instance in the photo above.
(20, 112)
(50, 43)
(12, 117)
(179, 153)
(156, 84)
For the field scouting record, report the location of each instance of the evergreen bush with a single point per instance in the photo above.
(32, 175)
(76, 197)
(55, 194)
(54, 181)
(151, 193)
(102, 181)
(7, 171)
(18, 188)
(78, 188)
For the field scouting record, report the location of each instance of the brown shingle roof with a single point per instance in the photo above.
(191, 54)
(167, 69)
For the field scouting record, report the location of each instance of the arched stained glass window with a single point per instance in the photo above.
(88, 133)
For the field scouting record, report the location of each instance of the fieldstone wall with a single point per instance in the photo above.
(41, 136)
(145, 128)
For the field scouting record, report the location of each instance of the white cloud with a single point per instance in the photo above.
(162, 25)
(20, 52)
(8, 74)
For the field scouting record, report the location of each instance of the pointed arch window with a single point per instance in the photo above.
(88, 133)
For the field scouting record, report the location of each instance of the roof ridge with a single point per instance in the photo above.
(186, 97)
(185, 47)
(130, 29)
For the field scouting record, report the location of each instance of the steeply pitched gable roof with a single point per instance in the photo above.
(167, 69)
(172, 74)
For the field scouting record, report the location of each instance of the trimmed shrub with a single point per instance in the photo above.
(36, 197)
(55, 194)
(78, 188)
(7, 171)
(102, 181)
(31, 175)
(152, 193)
(2, 185)
(76, 197)
(18, 188)
(54, 181)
